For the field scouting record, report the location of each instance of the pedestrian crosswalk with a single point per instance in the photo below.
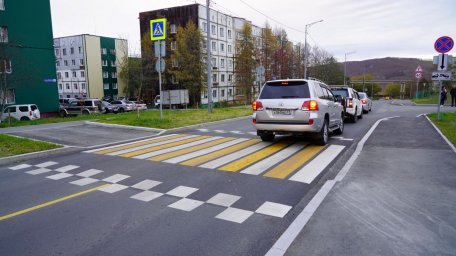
(287, 159)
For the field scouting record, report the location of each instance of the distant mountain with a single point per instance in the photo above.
(390, 68)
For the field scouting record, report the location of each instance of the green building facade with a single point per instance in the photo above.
(27, 61)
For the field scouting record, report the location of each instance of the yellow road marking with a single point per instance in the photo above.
(14, 214)
(248, 160)
(290, 165)
(169, 145)
(211, 156)
(110, 150)
(188, 150)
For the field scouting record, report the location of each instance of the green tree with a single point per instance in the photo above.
(245, 62)
(393, 89)
(268, 47)
(186, 60)
(130, 71)
(371, 88)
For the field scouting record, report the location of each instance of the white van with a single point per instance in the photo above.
(21, 112)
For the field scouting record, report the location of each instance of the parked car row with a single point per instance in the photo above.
(95, 106)
(306, 106)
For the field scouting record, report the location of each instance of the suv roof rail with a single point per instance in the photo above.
(315, 79)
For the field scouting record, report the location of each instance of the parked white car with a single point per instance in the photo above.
(23, 112)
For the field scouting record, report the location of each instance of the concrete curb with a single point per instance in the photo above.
(39, 154)
(125, 127)
(441, 134)
(202, 124)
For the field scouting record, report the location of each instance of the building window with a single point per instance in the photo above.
(82, 73)
(222, 93)
(104, 63)
(60, 87)
(222, 32)
(214, 78)
(73, 62)
(67, 85)
(214, 62)
(222, 47)
(204, 25)
(106, 86)
(213, 30)
(114, 74)
(230, 49)
(214, 46)
(75, 86)
(230, 63)
(81, 62)
(57, 63)
(230, 92)
(222, 79)
(114, 86)
(65, 62)
(10, 96)
(222, 63)
(80, 49)
(105, 74)
(2, 5)
(83, 86)
(74, 74)
(71, 50)
(173, 45)
(204, 44)
(64, 51)
(214, 93)
(174, 80)
(67, 75)
(59, 75)
(230, 78)
(113, 63)
(229, 33)
(174, 63)
(112, 51)
(57, 52)
(103, 51)
(173, 28)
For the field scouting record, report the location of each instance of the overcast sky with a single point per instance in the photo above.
(370, 28)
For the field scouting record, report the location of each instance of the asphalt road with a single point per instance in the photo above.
(157, 200)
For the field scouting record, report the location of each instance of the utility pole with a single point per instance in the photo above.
(209, 63)
(305, 46)
(345, 66)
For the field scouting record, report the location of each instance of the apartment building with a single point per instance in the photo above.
(27, 63)
(224, 31)
(89, 66)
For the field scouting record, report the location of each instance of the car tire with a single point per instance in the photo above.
(361, 115)
(340, 130)
(268, 137)
(323, 135)
(85, 112)
(106, 111)
(24, 118)
(62, 113)
(354, 118)
(121, 110)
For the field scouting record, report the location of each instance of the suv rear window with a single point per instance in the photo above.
(23, 109)
(341, 92)
(285, 90)
(33, 107)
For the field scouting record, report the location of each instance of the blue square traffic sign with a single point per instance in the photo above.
(158, 29)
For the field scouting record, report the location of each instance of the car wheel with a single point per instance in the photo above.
(62, 113)
(370, 109)
(323, 135)
(121, 110)
(340, 130)
(365, 111)
(361, 115)
(267, 137)
(354, 118)
(24, 118)
(85, 112)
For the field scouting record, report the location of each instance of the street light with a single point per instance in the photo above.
(305, 47)
(345, 66)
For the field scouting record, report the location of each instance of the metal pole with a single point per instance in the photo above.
(438, 104)
(411, 85)
(209, 63)
(345, 69)
(416, 94)
(160, 80)
(305, 53)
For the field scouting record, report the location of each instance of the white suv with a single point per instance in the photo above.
(351, 102)
(21, 112)
(297, 106)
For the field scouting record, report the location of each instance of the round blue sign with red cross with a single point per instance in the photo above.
(444, 44)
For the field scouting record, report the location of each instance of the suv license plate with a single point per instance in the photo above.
(281, 112)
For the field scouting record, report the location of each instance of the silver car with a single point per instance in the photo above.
(365, 101)
(297, 106)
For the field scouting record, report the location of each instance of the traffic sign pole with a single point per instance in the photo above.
(160, 82)
(442, 45)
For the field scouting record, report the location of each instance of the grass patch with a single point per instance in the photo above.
(427, 100)
(11, 146)
(150, 118)
(447, 124)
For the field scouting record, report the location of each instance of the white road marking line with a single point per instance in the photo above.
(128, 150)
(252, 133)
(186, 204)
(46, 164)
(116, 178)
(442, 135)
(89, 173)
(203, 130)
(59, 176)
(341, 138)
(220, 131)
(19, 167)
(274, 209)
(311, 170)
(168, 150)
(181, 191)
(237, 132)
(223, 199)
(66, 168)
(38, 171)
(204, 151)
(147, 196)
(420, 115)
(83, 182)
(233, 156)
(234, 215)
(146, 184)
(115, 146)
(113, 188)
(270, 161)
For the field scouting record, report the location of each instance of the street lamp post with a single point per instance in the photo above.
(345, 66)
(305, 46)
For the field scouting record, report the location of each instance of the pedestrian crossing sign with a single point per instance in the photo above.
(158, 29)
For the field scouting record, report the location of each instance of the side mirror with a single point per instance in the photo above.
(338, 98)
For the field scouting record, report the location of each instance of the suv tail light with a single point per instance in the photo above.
(349, 103)
(311, 105)
(257, 105)
(363, 101)
(30, 113)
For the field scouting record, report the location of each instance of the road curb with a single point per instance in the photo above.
(441, 134)
(39, 154)
(140, 128)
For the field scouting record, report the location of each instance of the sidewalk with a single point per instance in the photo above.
(399, 198)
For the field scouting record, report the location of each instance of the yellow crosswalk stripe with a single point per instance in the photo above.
(189, 150)
(141, 143)
(206, 158)
(168, 145)
(290, 165)
(248, 160)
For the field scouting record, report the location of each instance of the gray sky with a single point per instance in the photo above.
(371, 28)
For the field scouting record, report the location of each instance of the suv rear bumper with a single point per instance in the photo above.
(286, 128)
